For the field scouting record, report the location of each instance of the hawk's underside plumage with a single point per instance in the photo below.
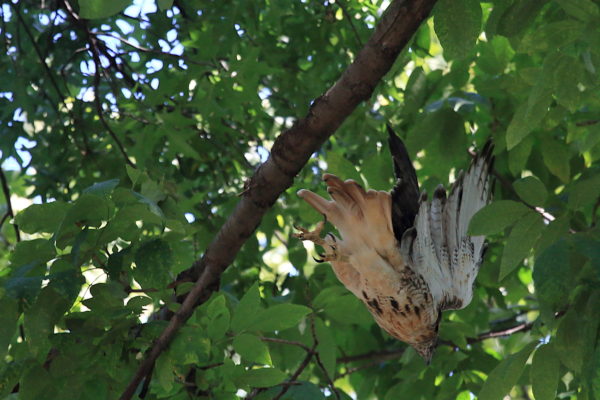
(406, 258)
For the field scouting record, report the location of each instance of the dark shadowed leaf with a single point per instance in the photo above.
(457, 25)
(42, 217)
(520, 241)
(556, 157)
(544, 372)
(153, 261)
(531, 190)
(552, 276)
(92, 9)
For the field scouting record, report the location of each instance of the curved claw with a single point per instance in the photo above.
(318, 260)
(332, 236)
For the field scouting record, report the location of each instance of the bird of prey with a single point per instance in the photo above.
(406, 258)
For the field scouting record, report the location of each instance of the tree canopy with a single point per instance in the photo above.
(151, 153)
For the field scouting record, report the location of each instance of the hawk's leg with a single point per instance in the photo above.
(328, 243)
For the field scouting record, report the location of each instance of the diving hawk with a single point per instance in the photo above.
(406, 258)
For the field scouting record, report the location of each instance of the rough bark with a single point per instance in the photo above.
(289, 154)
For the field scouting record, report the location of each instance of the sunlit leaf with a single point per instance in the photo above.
(505, 375)
(497, 216)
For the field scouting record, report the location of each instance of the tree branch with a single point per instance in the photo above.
(9, 210)
(289, 154)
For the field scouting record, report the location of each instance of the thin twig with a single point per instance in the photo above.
(318, 358)
(97, 102)
(587, 123)
(9, 210)
(153, 51)
(373, 355)
(349, 18)
(285, 341)
(524, 327)
(296, 373)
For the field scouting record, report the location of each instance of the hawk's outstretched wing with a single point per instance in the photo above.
(438, 245)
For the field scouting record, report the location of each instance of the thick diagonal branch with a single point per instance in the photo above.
(289, 154)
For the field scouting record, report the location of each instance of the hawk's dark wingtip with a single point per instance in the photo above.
(405, 194)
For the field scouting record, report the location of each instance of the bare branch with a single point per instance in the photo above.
(289, 154)
(285, 341)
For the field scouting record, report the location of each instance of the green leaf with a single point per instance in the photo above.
(552, 233)
(37, 383)
(531, 190)
(252, 349)
(596, 374)
(518, 16)
(570, 341)
(374, 170)
(552, 276)
(36, 250)
(164, 4)
(528, 115)
(584, 10)
(566, 78)
(261, 377)
(415, 92)
(297, 256)
(505, 375)
(247, 309)
(219, 318)
(520, 241)
(305, 391)
(279, 317)
(89, 210)
(342, 306)
(454, 333)
(338, 165)
(495, 55)
(102, 189)
(496, 216)
(40, 319)
(584, 192)
(556, 157)
(133, 173)
(551, 36)
(457, 25)
(39, 218)
(518, 156)
(153, 260)
(164, 372)
(425, 131)
(544, 372)
(190, 346)
(8, 323)
(93, 9)
(326, 348)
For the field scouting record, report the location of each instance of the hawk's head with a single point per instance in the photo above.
(426, 349)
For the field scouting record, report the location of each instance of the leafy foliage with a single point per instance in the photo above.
(133, 129)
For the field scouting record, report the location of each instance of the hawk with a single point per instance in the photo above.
(406, 258)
